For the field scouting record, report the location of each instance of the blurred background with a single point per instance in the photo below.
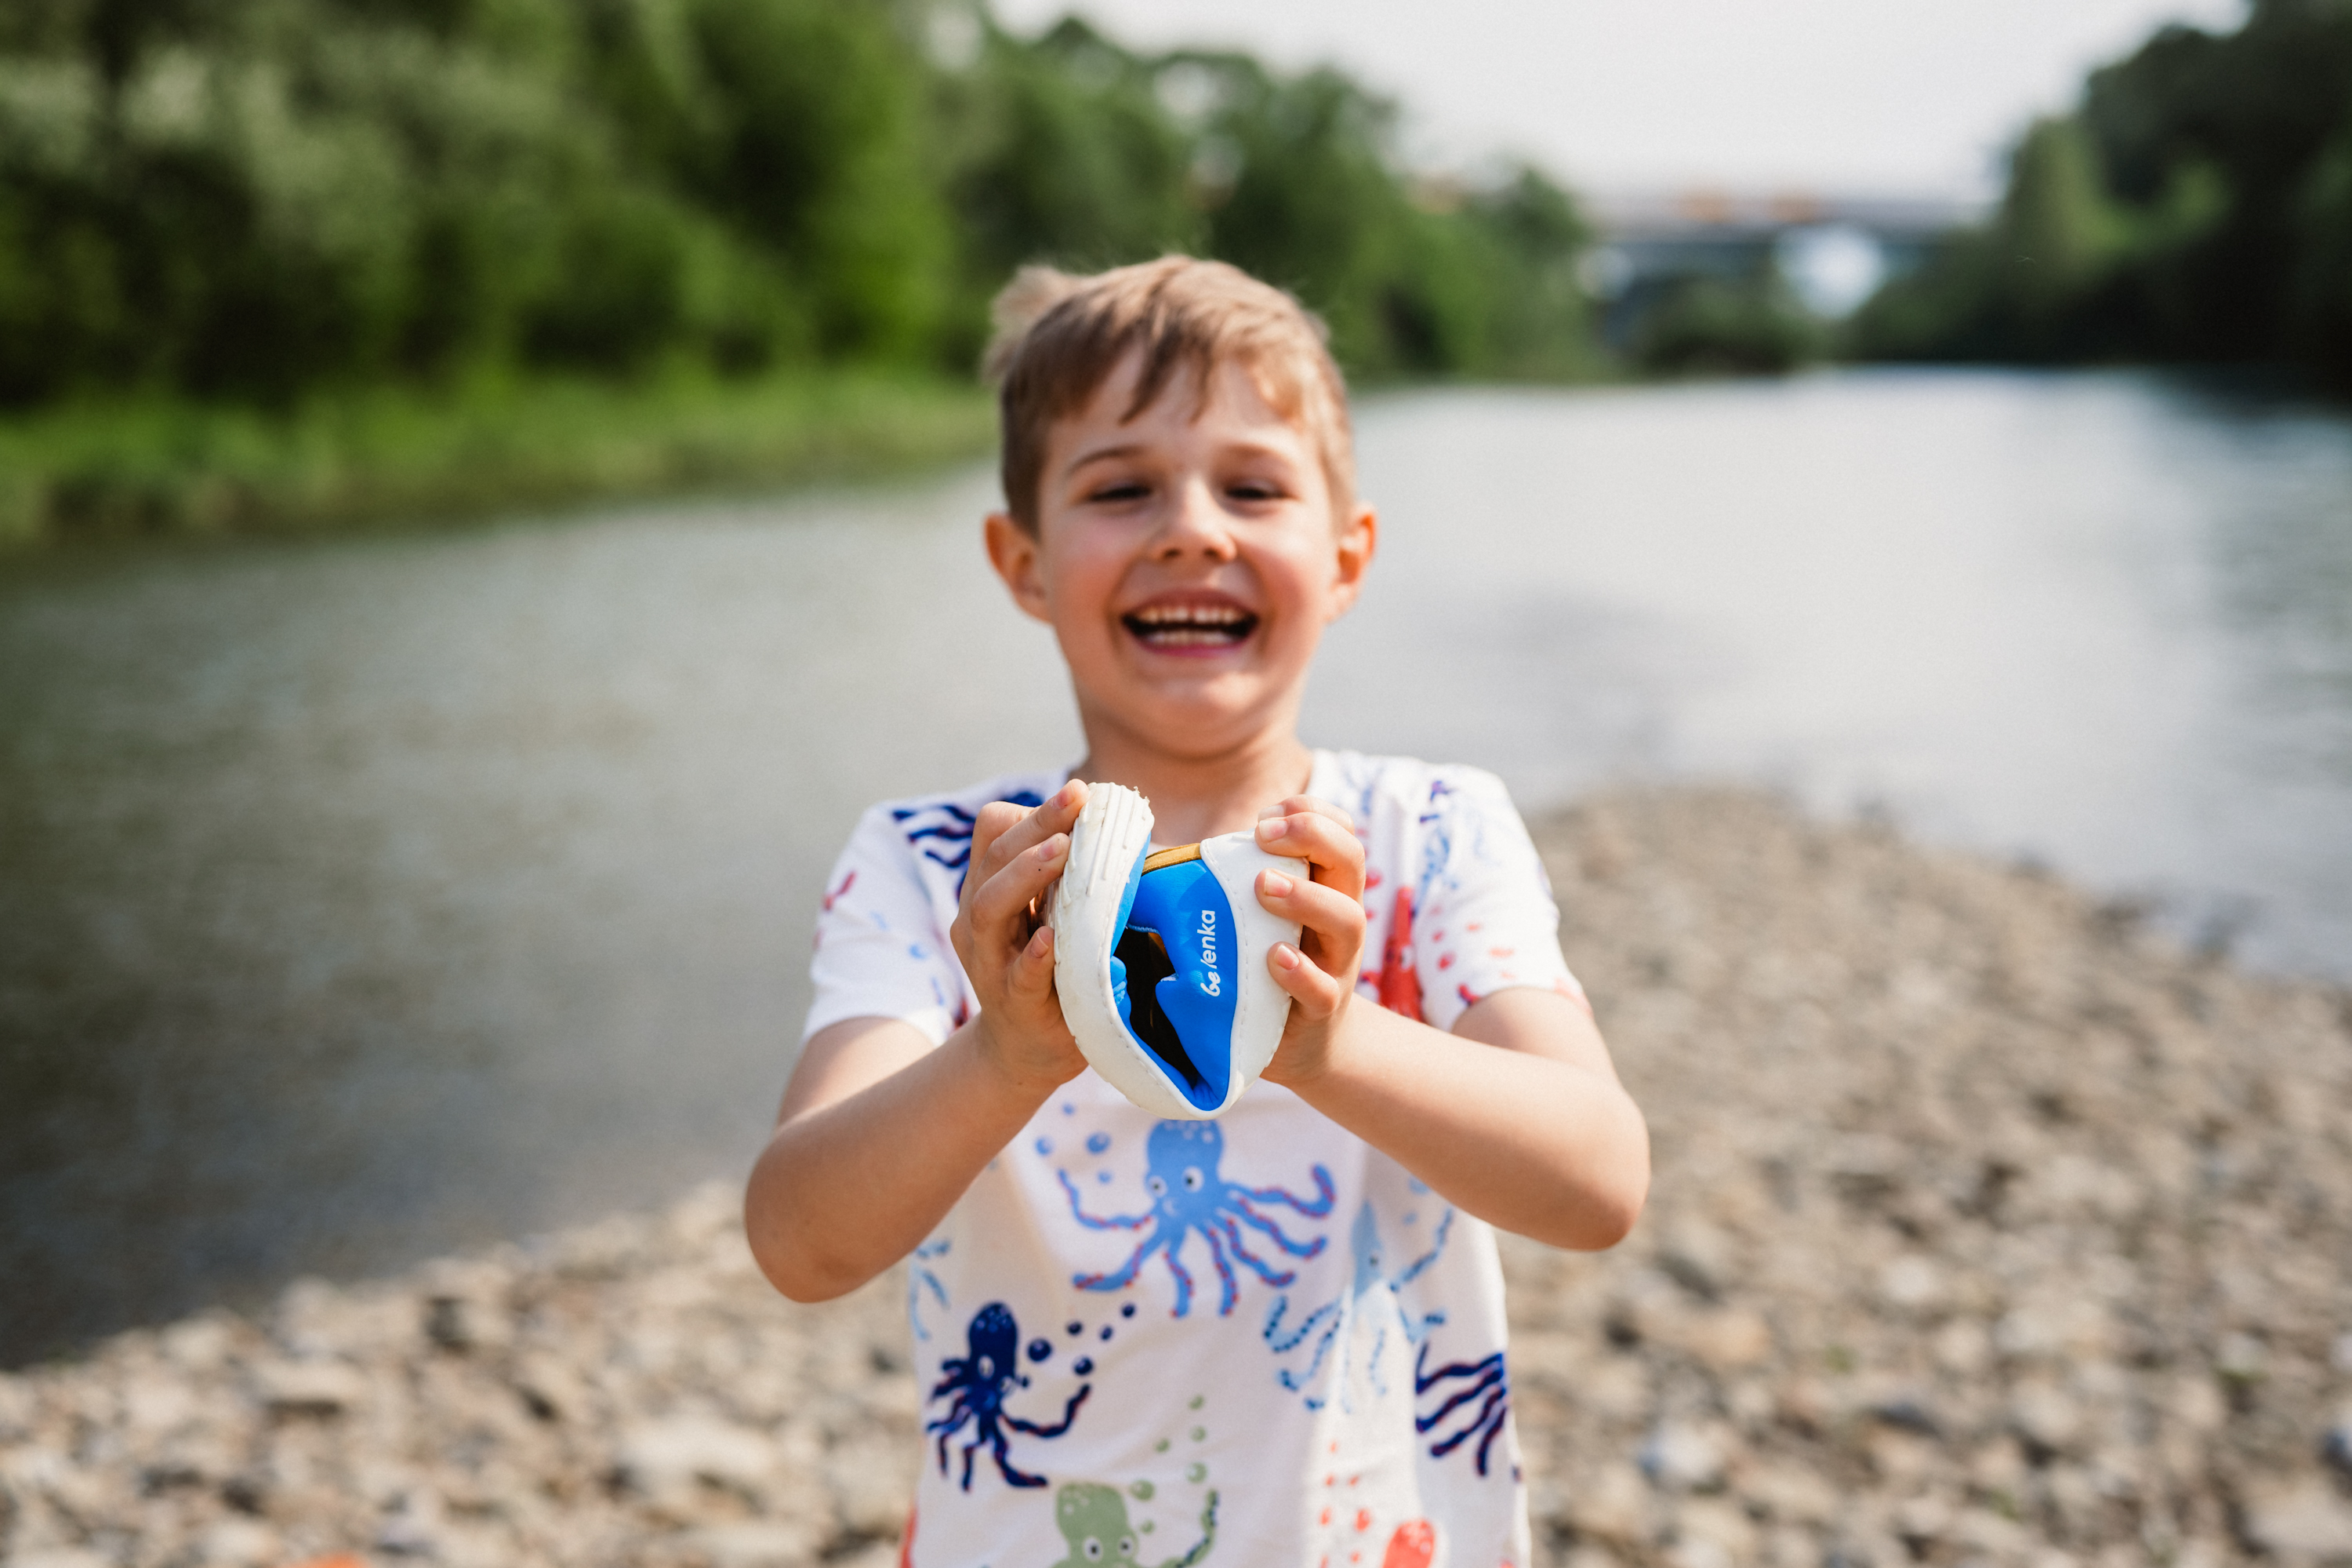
(1926, 410)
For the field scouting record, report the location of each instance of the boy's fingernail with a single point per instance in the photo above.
(1286, 955)
(1053, 847)
(1277, 883)
(1273, 828)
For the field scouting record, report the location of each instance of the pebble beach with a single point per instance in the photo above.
(1988, 1226)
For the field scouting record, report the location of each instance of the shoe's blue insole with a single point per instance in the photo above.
(1186, 1020)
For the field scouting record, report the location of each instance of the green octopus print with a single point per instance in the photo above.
(1093, 1521)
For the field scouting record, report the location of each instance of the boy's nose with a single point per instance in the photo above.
(1194, 523)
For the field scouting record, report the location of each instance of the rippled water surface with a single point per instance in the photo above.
(366, 899)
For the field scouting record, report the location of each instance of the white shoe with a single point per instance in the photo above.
(1185, 929)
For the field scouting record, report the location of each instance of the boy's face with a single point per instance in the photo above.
(1188, 566)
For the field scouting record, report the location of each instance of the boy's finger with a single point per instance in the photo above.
(1003, 829)
(1316, 993)
(1333, 850)
(1291, 804)
(1336, 918)
(999, 908)
(1031, 977)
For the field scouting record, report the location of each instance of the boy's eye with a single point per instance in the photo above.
(1119, 490)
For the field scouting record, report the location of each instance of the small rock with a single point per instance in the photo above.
(1682, 1458)
(1909, 1413)
(1699, 1258)
(463, 1324)
(234, 1543)
(308, 1387)
(754, 1544)
(2241, 1358)
(1700, 1552)
(1963, 1348)
(1719, 1524)
(1921, 1521)
(2335, 1443)
(1727, 1340)
(872, 1487)
(58, 1557)
(1911, 1283)
(550, 1389)
(1791, 1495)
(663, 1458)
(1613, 1507)
(198, 1346)
(2307, 1519)
(2044, 1420)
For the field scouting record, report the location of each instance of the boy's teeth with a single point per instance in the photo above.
(1189, 625)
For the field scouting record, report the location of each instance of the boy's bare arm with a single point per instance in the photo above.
(880, 1133)
(1517, 1115)
(1526, 1137)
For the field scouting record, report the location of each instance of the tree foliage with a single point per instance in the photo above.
(252, 199)
(2195, 208)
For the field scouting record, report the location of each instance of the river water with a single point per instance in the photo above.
(366, 899)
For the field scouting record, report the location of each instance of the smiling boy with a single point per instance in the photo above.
(1279, 1336)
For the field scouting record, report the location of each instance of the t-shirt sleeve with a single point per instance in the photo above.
(1488, 922)
(880, 950)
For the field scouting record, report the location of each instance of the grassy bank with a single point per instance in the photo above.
(169, 467)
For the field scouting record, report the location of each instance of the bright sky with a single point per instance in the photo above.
(1909, 97)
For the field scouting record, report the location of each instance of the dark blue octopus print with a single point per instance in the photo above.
(1190, 1193)
(978, 1383)
(942, 831)
(1473, 1379)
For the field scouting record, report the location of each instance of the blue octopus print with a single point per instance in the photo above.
(1190, 1193)
(920, 1278)
(980, 1382)
(1336, 1320)
(1485, 1377)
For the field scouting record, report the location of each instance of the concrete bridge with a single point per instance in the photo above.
(1832, 250)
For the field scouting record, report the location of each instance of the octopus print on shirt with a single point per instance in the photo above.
(1195, 1344)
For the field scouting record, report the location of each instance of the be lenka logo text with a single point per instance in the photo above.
(1208, 934)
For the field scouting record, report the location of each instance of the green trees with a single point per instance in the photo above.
(254, 200)
(2197, 207)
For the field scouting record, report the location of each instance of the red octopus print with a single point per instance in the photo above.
(1398, 984)
(1413, 1546)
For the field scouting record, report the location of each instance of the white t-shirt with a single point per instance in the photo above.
(1251, 1340)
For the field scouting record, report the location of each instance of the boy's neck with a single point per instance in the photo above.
(1195, 798)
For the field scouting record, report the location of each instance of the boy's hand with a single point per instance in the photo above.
(1329, 904)
(1007, 949)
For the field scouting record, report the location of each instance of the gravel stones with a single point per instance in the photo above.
(2048, 1224)
(1986, 1229)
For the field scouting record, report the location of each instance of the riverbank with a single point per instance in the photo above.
(177, 468)
(1988, 1227)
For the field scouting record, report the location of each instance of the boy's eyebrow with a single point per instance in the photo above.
(1125, 449)
(1130, 448)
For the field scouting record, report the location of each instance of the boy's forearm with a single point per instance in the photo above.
(844, 1190)
(1545, 1148)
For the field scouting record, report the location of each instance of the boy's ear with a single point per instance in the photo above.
(1359, 538)
(1012, 551)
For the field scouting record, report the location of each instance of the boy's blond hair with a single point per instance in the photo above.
(1059, 337)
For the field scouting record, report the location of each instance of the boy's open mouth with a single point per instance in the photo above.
(1197, 625)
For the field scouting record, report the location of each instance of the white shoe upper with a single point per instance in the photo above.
(1207, 1014)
